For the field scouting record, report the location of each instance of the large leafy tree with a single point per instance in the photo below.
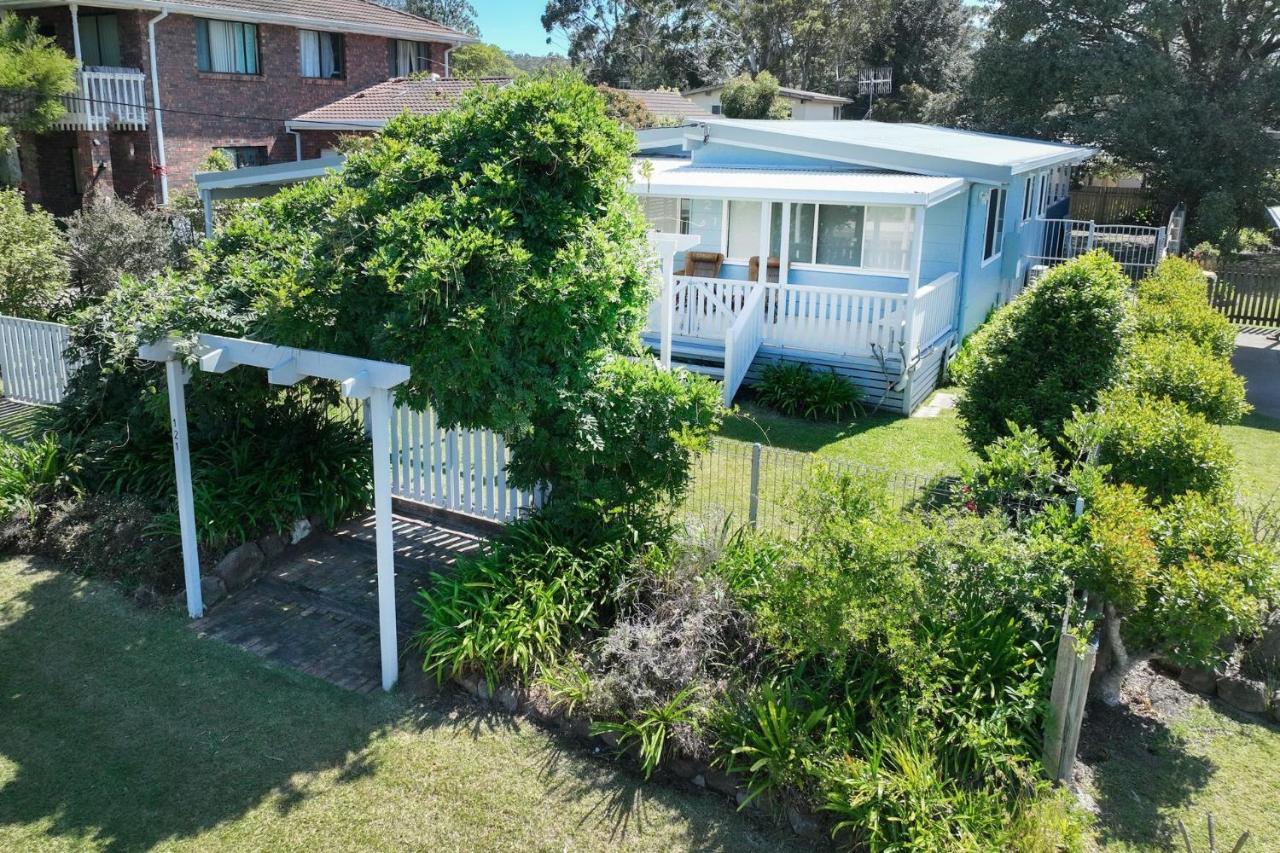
(744, 97)
(1182, 90)
(481, 60)
(34, 74)
(642, 44)
(458, 14)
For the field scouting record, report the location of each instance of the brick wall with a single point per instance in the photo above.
(314, 142)
(202, 110)
(277, 94)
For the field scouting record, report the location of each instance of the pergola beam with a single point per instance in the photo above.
(361, 378)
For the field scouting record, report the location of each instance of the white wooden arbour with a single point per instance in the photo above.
(360, 378)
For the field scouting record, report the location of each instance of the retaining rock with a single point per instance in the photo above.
(272, 545)
(1264, 655)
(508, 699)
(804, 824)
(1200, 680)
(722, 783)
(1275, 706)
(212, 590)
(1243, 693)
(239, 567)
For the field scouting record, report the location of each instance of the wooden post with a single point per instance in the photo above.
(667, 320)
(206, 201)
(753, 506)
(175, 376)
(380, 412)
(913, 282)
(1067, 700)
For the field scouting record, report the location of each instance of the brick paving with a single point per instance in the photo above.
(315, 608)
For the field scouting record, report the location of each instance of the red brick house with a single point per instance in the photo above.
(163, 83)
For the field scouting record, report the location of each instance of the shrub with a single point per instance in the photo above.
(108, 238)
(652, 728)
(1054, 348)
(30, 472)
(1253, 240)
(33, 265)
(1215, 220)
(1174, 301)
(517, 606)
(616, 457)
(1019, 473)
(1155, 444)
(796, 390)
(1178, 368)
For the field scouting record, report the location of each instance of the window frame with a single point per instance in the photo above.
(96, 17)
(204, 46)
(339, 54)
(421, 56)
(993, 227)
(1028, 199)
(233, 152)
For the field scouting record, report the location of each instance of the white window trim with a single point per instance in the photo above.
(986, 262)
(1028, 201)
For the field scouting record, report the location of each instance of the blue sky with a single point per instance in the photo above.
(515, 25)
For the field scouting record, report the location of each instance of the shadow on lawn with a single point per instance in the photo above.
(124, 729)
(144, 732)
(1141, 771)
(755, 423)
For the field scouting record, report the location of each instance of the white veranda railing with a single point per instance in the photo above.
(936, 308)
(1138, 248)
(460, 470)
(742, 342)
(106, 98)
(33, 362)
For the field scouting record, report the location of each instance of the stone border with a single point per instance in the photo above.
(534, 705)
(245, 563)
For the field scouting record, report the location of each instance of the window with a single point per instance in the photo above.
(835, 113)
(702, 218)
(716, 109)
(663, 214)
(100, 40)
(1043, 204)
(245, 155)
(1028, 198)
(886, 243)
(839, 239)
(321, 54)
(409, 57)
(744, 229)
(227, 47)
(995, 225)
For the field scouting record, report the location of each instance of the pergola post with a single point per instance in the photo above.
(666, 246)
(175, 376)
(380, 417)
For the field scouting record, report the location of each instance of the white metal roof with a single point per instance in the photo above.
(926, 141)
(676, 177)
(269, 175)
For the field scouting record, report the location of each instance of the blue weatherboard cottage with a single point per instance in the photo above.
(868, 248)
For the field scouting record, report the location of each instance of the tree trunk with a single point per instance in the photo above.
(1108, 683)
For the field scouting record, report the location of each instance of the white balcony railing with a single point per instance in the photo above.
(106, 98)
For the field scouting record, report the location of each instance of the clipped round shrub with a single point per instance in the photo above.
(1176, 367)
(1174, 300)
(1055, 348)
(33, 259)
(1159, 446)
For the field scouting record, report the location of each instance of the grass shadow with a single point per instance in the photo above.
(123, 728)
(1141, 771)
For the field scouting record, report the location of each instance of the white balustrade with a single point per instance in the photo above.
(936, 306)
(742, 342)
(459, 469)
(33, 363)
(832, 319)
(106, 98)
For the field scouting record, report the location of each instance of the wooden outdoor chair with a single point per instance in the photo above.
(753, 269)
(703, 264)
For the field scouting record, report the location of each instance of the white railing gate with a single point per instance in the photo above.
(33, 363)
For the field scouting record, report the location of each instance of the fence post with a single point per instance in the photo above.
(1092, 225)
(753, 510)
(452, 478)
(1067, 700)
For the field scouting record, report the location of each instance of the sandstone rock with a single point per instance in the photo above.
(1199, 680)
(239, 567)
(212, 590)
(1243, 693)
(610, 739)
(721, 782)
(683, 767)
(699, 780)
(576, 726)
(468, 681)
(804, 824)
(272, 545)
(1264, 655)
(301, 530)
(508, 698)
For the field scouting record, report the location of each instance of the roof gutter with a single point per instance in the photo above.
(155, 104)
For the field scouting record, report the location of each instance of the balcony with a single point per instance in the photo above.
(106, 99)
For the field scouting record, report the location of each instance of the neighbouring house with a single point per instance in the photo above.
(805, 106)
(866, 248)
(870, 249)
(164, 82)
(667, 106)
(370, 109)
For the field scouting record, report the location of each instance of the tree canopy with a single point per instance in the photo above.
(458, 14)
(744, 97)
(481, 60)
(34, 74)
(1182, 91)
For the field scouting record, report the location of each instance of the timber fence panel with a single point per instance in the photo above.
(33, 360)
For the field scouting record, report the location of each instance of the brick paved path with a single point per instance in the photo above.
(316, 610)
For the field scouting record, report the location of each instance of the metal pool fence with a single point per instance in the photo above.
(756, 484)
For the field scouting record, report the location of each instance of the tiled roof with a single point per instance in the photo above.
(356, 16)
(665, 104)
(383, 101)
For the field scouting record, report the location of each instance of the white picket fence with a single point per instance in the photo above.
(33, 364)
(460, 470)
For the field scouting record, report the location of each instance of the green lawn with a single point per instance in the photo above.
(923, 446)
(1201, 759)
(1256, 442)
(121, 730)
